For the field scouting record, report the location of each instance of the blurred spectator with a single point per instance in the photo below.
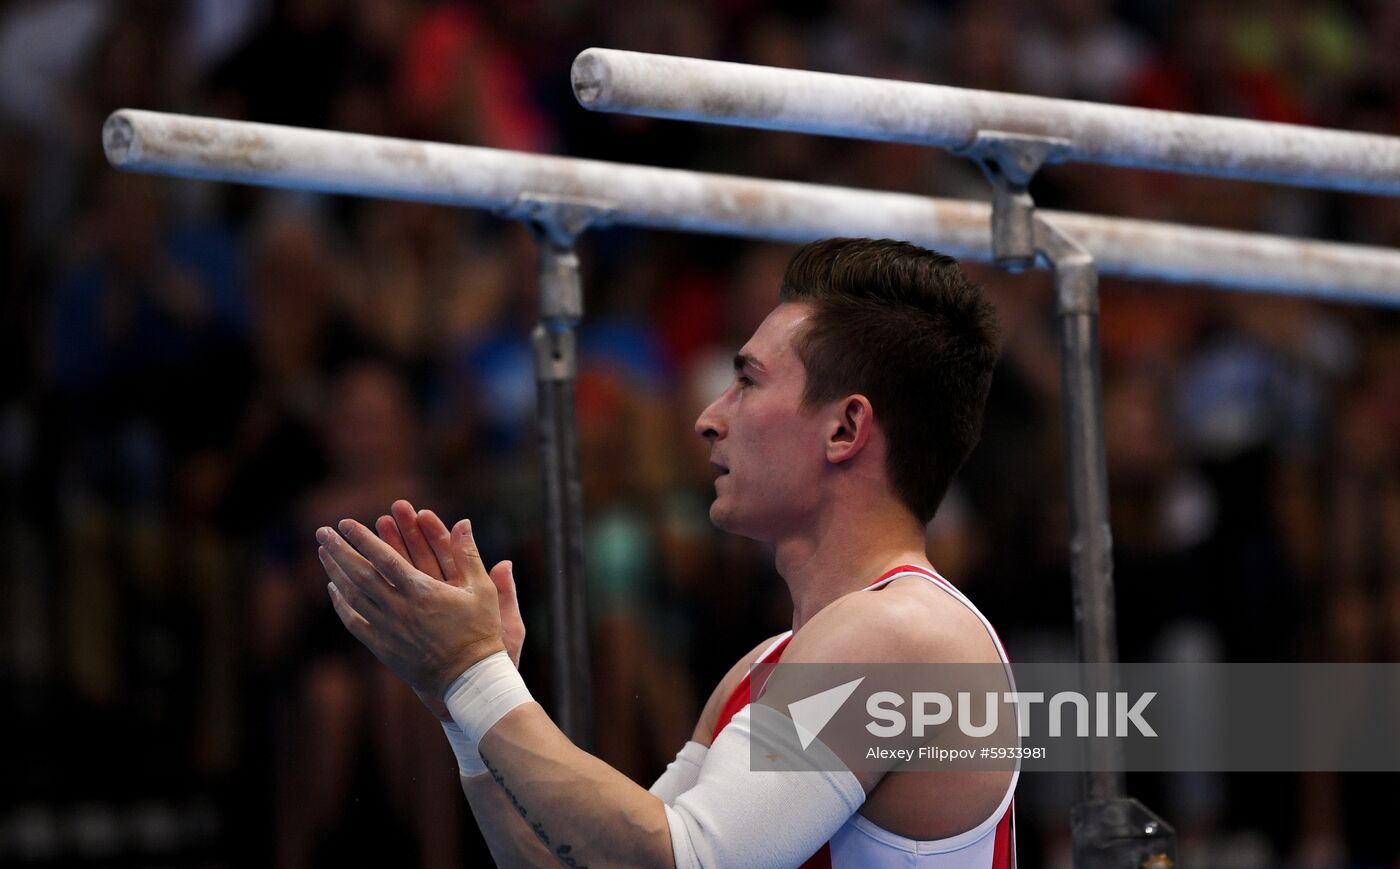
(1313, 45)
(141, 336)
(982, 44)
(44, 49)
(879, 38)
(459, 84)
(309, 36)
(339, 707)
(416, 270)
(300, 331)
(1076, 49)
(643, 701)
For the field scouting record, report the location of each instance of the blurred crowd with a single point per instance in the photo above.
(201, 374)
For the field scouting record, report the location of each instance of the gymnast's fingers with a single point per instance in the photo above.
(464, 550)
(379, 557)
(419, 552)
(440, 539)
(344, 585)
(389, 532)
(355, 623)
(356, 571)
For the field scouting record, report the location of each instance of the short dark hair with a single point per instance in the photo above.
(903, 326)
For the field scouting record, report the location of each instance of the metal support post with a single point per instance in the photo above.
(1110, 829)
(555, 223)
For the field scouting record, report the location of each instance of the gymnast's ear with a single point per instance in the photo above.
(850, 429)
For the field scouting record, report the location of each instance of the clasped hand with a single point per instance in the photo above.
(420, 598)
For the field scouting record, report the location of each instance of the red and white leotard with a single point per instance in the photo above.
(860, 844)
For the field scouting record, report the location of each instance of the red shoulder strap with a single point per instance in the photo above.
(741, 695)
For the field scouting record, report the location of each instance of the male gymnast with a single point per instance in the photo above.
(853, 406)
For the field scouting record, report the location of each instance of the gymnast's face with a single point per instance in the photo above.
(767, 452)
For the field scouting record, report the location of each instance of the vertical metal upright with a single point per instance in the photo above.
(556, 223)
(1110, 830)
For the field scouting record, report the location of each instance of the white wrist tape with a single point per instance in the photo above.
(469, 761)
(483, 695)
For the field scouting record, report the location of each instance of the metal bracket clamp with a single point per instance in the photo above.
(559, 220)
(1019, 234)
(556, 222)
(1076, 276)
(1010, 161)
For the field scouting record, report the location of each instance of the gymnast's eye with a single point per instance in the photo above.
(744, 381)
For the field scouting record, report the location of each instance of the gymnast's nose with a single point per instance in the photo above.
(711, 425)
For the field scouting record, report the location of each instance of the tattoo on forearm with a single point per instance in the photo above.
(564, 852)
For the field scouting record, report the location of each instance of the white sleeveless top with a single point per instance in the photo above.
(861, 844)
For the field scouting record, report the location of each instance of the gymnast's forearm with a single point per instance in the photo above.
(508, 836)
(584, 812)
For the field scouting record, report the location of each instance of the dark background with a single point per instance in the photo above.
(198, 375)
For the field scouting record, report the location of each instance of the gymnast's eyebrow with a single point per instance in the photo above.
(742, 359)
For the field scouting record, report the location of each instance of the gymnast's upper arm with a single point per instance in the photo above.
(736, 815)
(709, 716)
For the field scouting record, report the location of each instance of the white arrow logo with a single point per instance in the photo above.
(811, 714)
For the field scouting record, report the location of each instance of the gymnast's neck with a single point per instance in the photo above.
(848, 544)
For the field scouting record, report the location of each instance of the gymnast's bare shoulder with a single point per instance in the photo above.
(910, 621)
